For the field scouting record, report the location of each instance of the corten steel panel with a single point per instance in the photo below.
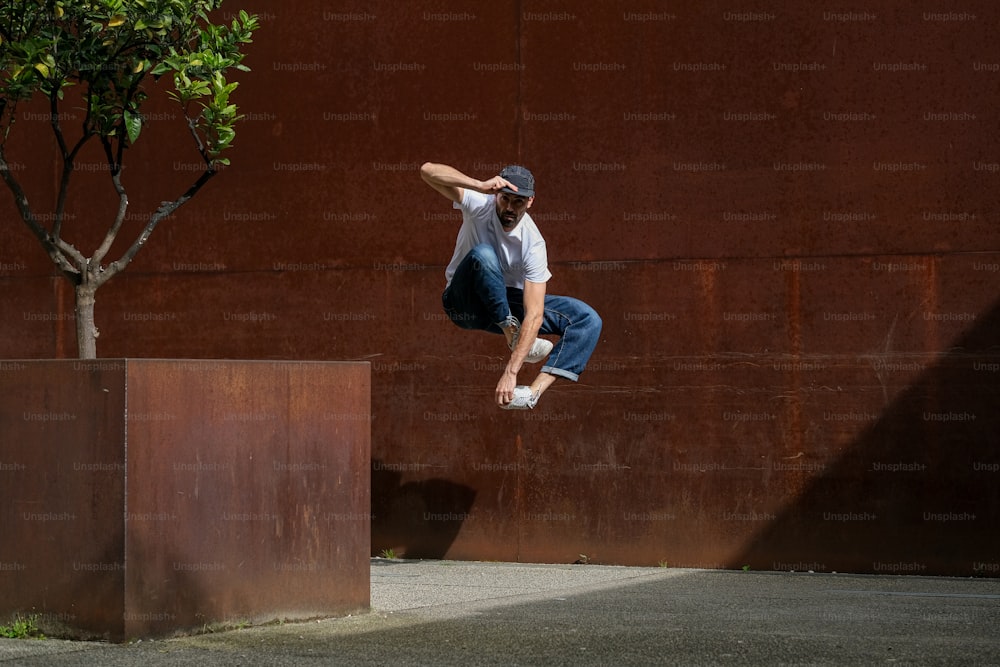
(63, 459)
(146, 497)
(256, 500)
(26, 258)
(37, 320)
(761, 128)
(866, 306)
(914, 494)
(724, 186)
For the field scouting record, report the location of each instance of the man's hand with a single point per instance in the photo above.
(505, 388)
(495, 185)
(534, 307)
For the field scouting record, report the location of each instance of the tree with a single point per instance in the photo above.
(103, 56)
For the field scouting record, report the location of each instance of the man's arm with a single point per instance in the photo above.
(534, 308)
(451, 183)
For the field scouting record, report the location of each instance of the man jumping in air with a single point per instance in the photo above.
(496, 282)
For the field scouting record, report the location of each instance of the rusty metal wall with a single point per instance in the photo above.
(786, 215)
(247, 494)
(147, 497)
(63, 486)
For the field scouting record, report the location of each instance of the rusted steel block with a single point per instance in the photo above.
(146, 497)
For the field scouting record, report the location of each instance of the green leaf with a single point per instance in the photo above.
(133, 124)
(110, 50)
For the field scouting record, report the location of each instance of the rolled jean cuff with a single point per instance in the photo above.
(569, 375)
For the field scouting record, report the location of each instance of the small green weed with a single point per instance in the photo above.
(22, 627)
(388, 553)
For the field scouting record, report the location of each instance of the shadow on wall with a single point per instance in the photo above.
(919, 491)
(437, 506)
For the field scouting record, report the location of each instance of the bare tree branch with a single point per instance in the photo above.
(165, 210)
(56, 127)
(116, 181)
(199, 144)
(70, 252)
(68, 157)
(59, 251)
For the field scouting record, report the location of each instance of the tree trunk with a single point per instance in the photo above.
(86, 330)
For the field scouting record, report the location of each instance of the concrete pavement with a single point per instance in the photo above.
(463, 613)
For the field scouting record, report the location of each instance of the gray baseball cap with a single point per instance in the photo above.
(521, 178)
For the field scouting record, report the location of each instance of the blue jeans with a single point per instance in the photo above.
(477, 298)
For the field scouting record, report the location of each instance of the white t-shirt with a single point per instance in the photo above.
(522, 252)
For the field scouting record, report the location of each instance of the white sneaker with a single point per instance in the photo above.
(523, 399)
(539, 349)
